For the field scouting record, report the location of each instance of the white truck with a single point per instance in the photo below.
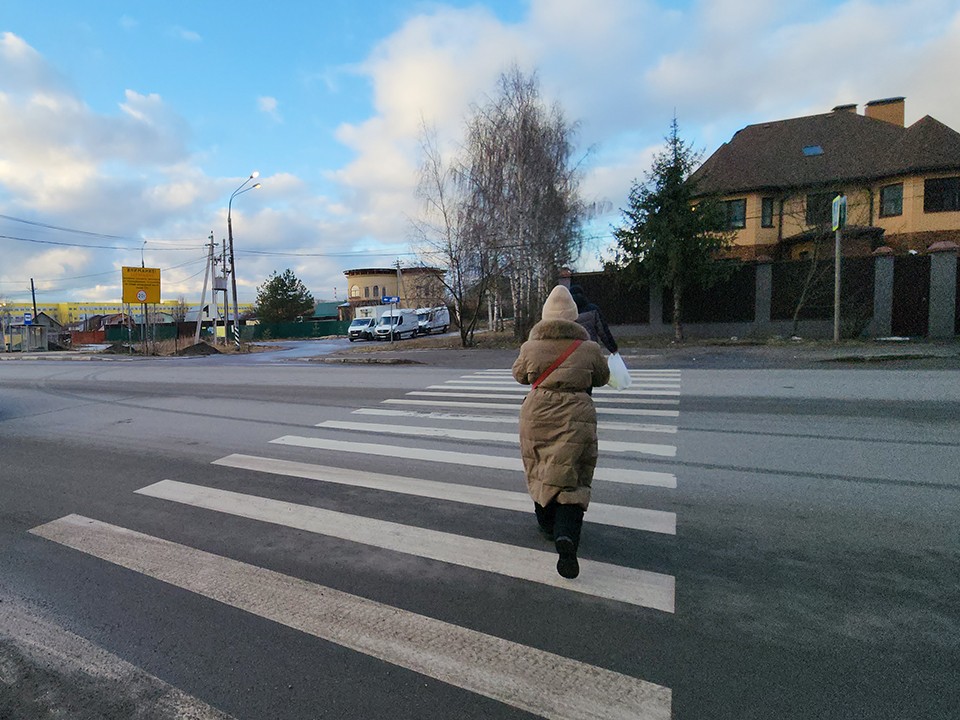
(364, 324)
(396, 323)
(435, 319)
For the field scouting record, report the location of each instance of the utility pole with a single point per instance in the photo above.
(226, 301)
(33, 294)
(206, 273)
(398, 277)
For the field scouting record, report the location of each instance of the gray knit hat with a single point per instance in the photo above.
(560, 305)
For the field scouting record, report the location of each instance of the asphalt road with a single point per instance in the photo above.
(811, 573)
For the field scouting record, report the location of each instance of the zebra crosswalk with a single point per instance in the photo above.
(509, 672)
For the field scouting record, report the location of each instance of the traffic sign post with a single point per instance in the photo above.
(28, 318)
(839, 218)
(391, 300)
(141, 285)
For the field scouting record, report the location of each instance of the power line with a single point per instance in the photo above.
(292, 253)
(98, 247)
(86, 232)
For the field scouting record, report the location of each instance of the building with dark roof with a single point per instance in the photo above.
(777, 181)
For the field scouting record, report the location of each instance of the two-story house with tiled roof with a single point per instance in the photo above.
(777, 181)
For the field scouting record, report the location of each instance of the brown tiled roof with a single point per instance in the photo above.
(854, 147)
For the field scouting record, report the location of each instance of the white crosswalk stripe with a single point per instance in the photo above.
(525, 389)
(510, 394)
(668, 382)
(514, 419)
(517, 675)
(656, 521)
(542, 683)
(516, 406)
(494, 462)
(425, 431)
(636, 587)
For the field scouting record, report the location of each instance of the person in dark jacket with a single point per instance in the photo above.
(590, 317)
(558, 422)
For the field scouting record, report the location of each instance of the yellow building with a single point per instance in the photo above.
(416, 287)
(777, 181)
(68, 313)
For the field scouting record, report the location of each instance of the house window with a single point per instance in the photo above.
(376, 291)
(820, 209)
(891, 200)
(366, 291)
(735, 212)
(941, 195)
(766, 212)
(355, 291)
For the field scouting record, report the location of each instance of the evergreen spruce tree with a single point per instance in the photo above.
(669, 235)
(283, 298)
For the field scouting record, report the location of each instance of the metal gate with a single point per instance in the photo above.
(911, 296)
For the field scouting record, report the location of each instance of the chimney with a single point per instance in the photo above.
(889, 110)
(852, 108)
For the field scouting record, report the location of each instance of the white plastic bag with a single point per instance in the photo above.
(619, 375)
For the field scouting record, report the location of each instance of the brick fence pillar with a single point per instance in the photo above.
(943, 289)
(763, 295)
(656, 309)
(882, 323)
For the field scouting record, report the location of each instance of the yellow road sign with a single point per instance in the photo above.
(141, 285)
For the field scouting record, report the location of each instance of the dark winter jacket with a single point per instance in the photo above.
(558, 422)
(592, 320)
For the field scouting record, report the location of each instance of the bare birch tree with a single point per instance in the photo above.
(506, 212)
(446, 237)
(525, 189)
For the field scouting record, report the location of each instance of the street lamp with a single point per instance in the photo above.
(233, 268)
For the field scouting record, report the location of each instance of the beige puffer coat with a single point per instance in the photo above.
(558, 423)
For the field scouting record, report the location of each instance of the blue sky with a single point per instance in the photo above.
(133, 121)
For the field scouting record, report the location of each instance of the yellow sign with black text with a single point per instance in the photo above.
(141, 285)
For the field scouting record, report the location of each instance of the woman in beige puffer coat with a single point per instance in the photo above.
(558, 423)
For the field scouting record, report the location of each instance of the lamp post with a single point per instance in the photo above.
(233, 268)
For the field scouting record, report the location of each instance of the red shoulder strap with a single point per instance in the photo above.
(557, 362)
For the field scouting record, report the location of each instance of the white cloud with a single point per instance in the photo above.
(269, 106)
(187, 35)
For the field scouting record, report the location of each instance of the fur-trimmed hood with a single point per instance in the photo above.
(558, 330)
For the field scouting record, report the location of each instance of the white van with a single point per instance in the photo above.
(433, 319)
(397, 323)
(362, 328)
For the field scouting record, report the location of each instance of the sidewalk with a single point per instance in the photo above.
(718, 354)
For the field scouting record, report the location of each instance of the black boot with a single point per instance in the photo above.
(566, 531)
(546, 518)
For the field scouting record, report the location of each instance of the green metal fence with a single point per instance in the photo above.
(262, 331)
(281, 331)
